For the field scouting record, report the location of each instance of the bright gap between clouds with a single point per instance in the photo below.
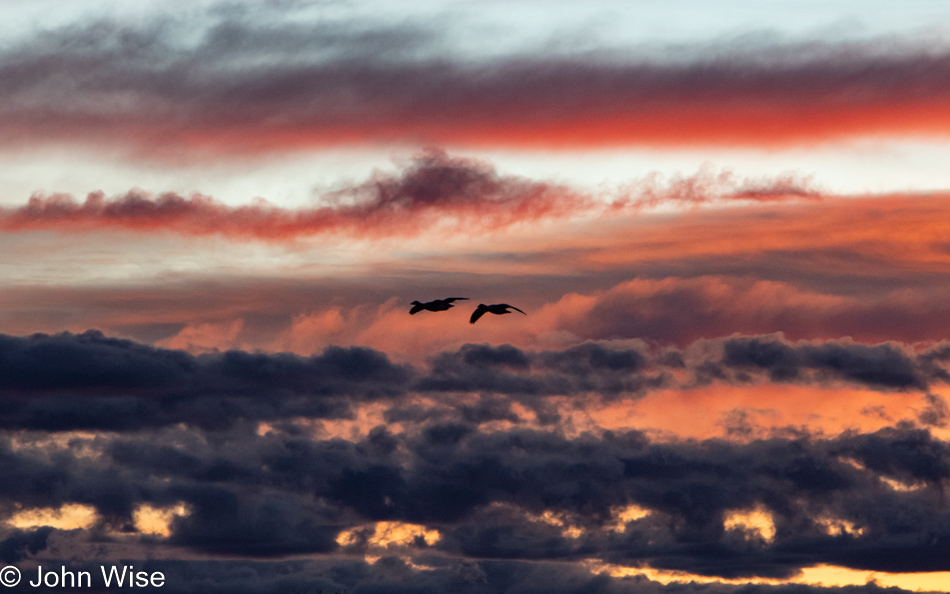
(828, 576)
(147, 519)
(299, 179)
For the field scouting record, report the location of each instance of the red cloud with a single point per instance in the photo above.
(435, 192)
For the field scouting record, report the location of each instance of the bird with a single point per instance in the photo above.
(497, 309)
(437, 305)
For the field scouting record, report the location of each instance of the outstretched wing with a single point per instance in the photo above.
(477, 314)
(514, 308)
(451, 299)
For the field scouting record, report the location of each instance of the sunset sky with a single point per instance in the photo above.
(728, 224)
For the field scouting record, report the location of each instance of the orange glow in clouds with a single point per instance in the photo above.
(751, 412)
(740, 120)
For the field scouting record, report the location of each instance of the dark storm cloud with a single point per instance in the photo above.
(22, 543)
(285, 493)
(508, 370)
(92, 362)
(599, 369)
(393, 575)
(264, 496)
(881, 366)
(252, 84)
(267, 525)
(89, 381)
(690, 487)
(231, 509)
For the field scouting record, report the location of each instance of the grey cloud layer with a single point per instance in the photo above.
(246, 86)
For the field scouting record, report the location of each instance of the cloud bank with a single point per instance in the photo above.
(70, 382)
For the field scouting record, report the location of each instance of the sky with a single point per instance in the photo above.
(726, 224)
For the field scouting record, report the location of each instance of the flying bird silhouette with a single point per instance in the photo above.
(497, 309)
(437, 305)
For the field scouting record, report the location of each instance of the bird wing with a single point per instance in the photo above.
(477, 314)
(451, 299)
(514, 308)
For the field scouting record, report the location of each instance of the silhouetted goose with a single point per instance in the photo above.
(437, 305)
(497, 309)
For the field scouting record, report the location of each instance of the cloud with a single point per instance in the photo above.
(181, 430)
(682, 310)
(433, 192)
(275, 524)
(70, 382)
(883, 366)
(20, 544)
(248, 87)
(521, 495)
(671, 279)
(398, 575)
(516, 455)
(89, 381)
(587, 368)
(204, 337)
(44, 364)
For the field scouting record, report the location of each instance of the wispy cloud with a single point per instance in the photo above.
(432, 192)
(247, 87)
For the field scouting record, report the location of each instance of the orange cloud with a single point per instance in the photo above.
(205, 337)
(869, 268)
(753, 412)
